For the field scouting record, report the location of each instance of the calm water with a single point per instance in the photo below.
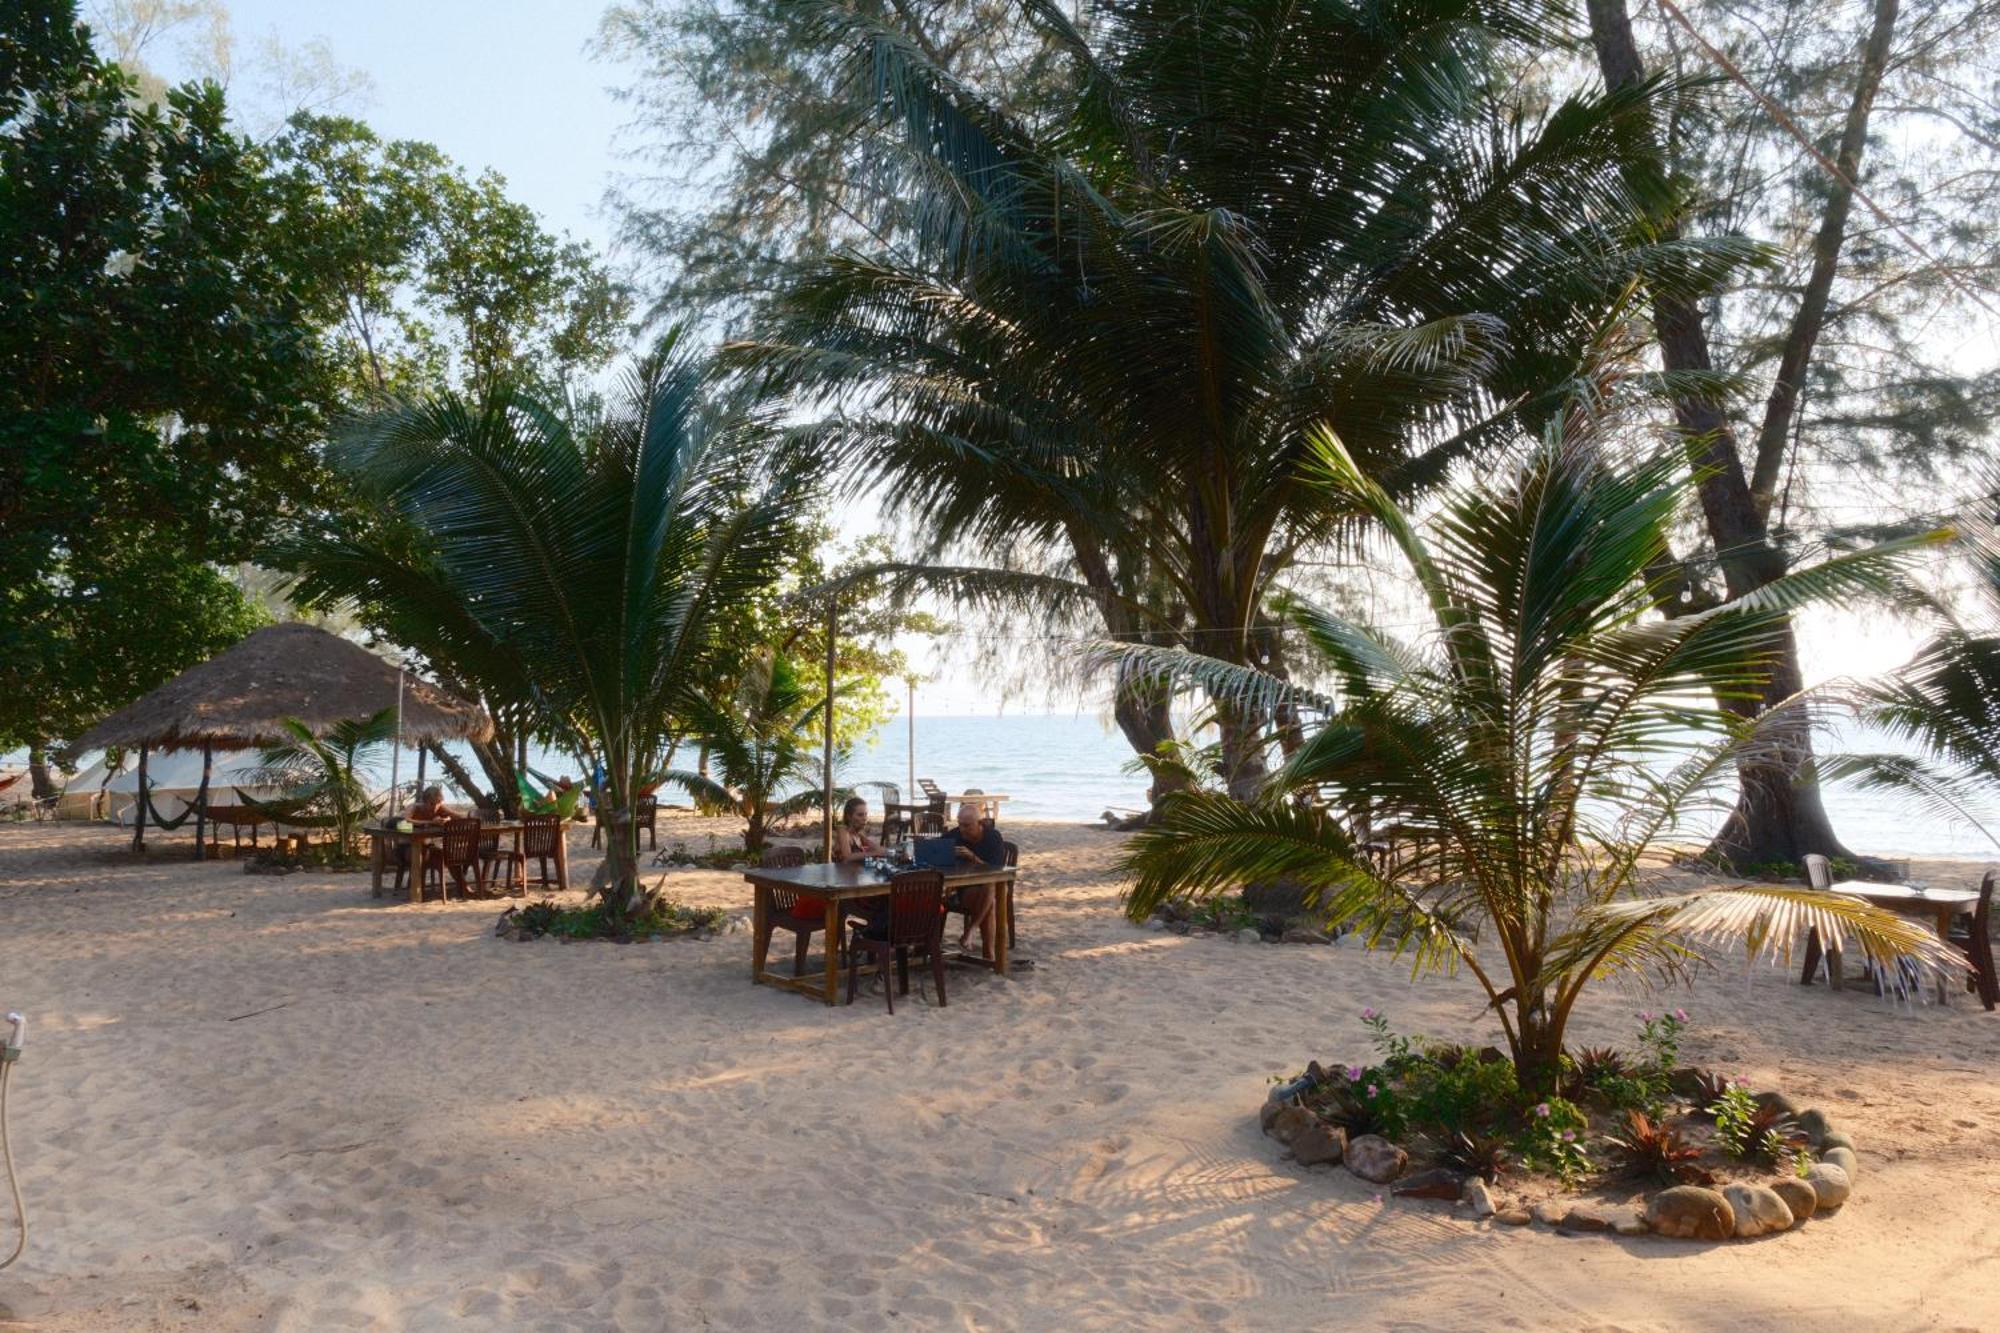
(1072, 767)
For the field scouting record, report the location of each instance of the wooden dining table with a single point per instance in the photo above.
(425, 832)
(1938, 906)
(841, 887)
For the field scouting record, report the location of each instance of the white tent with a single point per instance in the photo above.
(83, 795)
(174, 776)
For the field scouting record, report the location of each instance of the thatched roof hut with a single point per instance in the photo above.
(237, 699)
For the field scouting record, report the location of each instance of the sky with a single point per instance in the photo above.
(512, 85)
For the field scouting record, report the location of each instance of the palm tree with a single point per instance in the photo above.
(1944, 702)
(1096, 356)
(761, 743)
(571, 562)
(325, 776)
(1520, 762)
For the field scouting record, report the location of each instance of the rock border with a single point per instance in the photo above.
(1738, 1210)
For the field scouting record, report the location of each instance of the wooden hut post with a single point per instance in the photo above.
(201, 802)
(139, 827)
(826, 752)
(422, 753)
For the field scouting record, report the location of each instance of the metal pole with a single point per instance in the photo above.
(396, 751)
(826, 752)
(139, 832)
(201, 802)
(827, 747)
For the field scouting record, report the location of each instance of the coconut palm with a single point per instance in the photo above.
(1944, 704)
(1483, 798)
(1094, 356)
(761, 744)
(573, 562)
(325, 777)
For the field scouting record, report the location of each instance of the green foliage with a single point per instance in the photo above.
(1524, 757)
(1488, 1156)
(761, 743)
(1098, 357)
(158, 392)
(327, 775)
(1649, 1150)
(434, 278)
(578, 565)
(661, 916)
(1550, 1139)
(1755, 1131)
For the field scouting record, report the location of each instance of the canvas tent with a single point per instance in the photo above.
(174, 778)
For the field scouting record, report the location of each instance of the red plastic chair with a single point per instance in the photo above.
(800, 913)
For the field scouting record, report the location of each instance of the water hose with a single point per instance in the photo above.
(10, 1053)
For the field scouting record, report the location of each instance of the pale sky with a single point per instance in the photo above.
(511, 85)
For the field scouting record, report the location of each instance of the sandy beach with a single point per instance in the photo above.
(278, 1103)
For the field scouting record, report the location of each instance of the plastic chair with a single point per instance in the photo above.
(1819, 874)
(915, 924)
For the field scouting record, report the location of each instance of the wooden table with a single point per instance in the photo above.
(432, 831)
(842, 886)
(1938, 905)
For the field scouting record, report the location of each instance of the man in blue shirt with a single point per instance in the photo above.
(977, 841)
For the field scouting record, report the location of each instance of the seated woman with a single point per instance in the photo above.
(850, 836)
(978, 841)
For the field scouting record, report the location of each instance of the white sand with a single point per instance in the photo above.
(277, 1103)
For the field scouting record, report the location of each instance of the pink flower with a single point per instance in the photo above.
(1373, 1090)
(1367, 1015)
(1646, 1016)
(1354, 1073)
(1680, 1015)
(1569, 1136)
(1542, 1110)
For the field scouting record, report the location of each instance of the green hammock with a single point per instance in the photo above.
(290, 812)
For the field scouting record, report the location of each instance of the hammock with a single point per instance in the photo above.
(290, 812)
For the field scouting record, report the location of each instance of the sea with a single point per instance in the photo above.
(1076, 766)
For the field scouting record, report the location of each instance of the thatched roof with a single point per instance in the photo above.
(236, 700)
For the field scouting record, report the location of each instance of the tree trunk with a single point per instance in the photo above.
(1537, 1043)
(1145, 715)
(1779, 814)
(497, 762)
(457, 773)
(40, 785)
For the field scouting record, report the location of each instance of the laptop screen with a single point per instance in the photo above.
(936, 853)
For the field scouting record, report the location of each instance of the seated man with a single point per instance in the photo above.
(978, 842)
(429, 807)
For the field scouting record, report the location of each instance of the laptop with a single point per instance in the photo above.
(936, 853)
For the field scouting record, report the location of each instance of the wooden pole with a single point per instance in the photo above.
(826, 751)
(139, 829)
(201, 802)
(910, 725)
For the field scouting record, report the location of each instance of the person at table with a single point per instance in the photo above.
(430, 807)
(978, 842)
(850, 836)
